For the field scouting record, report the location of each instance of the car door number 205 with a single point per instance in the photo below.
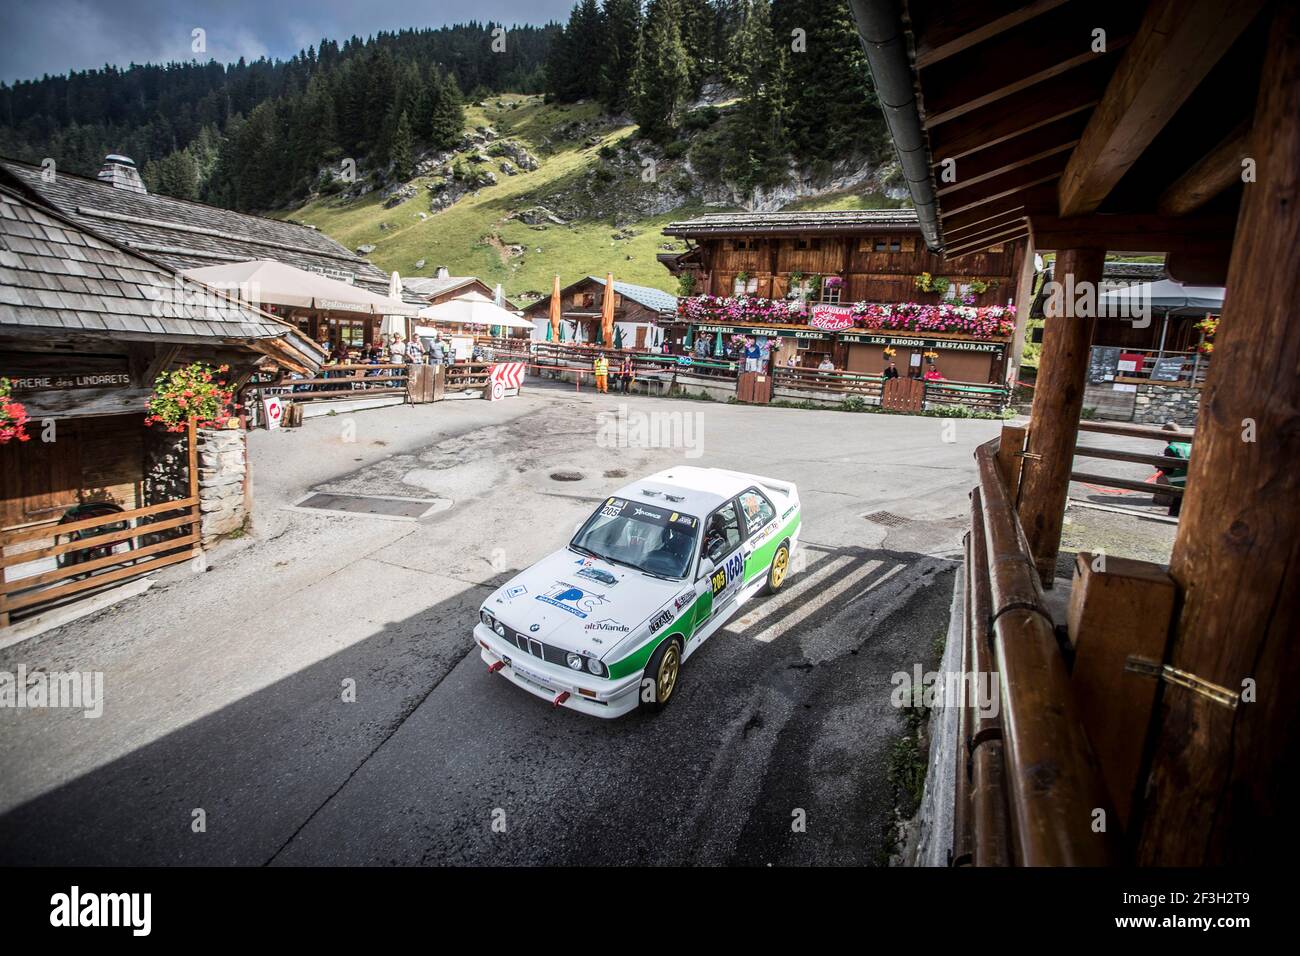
(729, 572)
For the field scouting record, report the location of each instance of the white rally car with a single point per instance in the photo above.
(604, 624)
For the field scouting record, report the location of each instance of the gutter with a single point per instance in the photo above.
(884, 41)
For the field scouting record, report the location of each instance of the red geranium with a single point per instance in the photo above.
(190, 391)
(13, 417)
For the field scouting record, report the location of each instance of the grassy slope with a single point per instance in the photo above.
(469, 238)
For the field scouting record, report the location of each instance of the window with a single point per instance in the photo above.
(801, 290)
(758, 511)
(652, 539)
(831, 293)
(722, 534)
(742, 286)
(806, 244)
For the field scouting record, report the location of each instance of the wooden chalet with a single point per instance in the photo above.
(1161, 731)
(181, 234)
(847, 257)
(638, 312)
(443, 287)
(85, 328)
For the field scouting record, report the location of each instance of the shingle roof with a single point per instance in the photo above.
(795, 223)
(431, 285)
(56, 275)
(185, 235)
(651, 298)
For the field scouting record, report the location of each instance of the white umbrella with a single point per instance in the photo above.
(473, 308)
(268, 282)
(394, 324)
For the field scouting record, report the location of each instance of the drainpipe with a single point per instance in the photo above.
(880, 27)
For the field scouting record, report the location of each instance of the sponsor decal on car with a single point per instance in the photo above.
(662, 618)
(596, 574)
(606, 624)
(683, 600)
(572, 599)
(613, 507)
(732, 569)
(639, 512)
(514, 592)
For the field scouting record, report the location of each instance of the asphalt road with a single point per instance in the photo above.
(226, 738)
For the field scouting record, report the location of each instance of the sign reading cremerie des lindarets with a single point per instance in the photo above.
(69, 380)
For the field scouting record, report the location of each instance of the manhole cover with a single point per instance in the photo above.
(567, 476)
(886, 518)
(616, 473)
(377, 505)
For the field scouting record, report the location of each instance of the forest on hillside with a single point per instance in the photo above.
(257, 136)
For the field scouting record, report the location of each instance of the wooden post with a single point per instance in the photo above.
(1217, 787)
(1058, 400)
(195, 509)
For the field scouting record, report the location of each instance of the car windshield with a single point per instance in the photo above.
(658, 541)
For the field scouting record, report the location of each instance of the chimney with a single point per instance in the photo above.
(443, 273)
(120, 173)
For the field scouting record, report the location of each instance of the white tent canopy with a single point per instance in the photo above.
(268, 282)
(473, 308)
(1167, 294)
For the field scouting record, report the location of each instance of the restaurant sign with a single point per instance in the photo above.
(954, 345)
(832, 318)
(766, 332)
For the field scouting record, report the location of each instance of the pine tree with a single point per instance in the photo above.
(621, 24)
(402, 151)
(833, 110)
(447, 116)
(662, 79)
(760, 72)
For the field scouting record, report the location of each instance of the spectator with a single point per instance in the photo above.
(792, 361)
(753, 356)
(891, 371)
(600, 368)
(625, 374)
(826, 365)
(932, 374)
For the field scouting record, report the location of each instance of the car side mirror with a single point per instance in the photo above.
(707, 567)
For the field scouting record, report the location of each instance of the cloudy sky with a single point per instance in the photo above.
(54, 36)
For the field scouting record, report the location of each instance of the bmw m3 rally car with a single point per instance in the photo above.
(604, 624)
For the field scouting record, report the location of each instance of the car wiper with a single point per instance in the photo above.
(581, 550)
(661, 577)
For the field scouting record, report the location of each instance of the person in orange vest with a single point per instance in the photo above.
(601, 369)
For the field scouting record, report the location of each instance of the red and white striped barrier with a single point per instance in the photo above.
(502, 376)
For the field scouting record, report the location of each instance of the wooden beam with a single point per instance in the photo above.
(1000, 220)
(1214, 172)
(1139, 233)
(1177, 44)
(1219, 789)
(963, 24)
(976, 243)
(1012, 154)
(1008, 184)
(1073, 92)
(1046, 47)
(1058, 401)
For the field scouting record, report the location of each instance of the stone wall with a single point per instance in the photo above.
(1157, 404)
(223, 467)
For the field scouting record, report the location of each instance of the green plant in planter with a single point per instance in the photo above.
(686, 285)
(195, 390)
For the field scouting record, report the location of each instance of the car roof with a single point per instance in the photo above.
(701, 489)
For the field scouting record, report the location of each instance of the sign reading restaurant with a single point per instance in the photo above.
(958, 345)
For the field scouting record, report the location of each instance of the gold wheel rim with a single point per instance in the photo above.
(779, 565)
(667, 677)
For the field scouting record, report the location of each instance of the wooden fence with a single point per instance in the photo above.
(1027, 786)
(156, 536)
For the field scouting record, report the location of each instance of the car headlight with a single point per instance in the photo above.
(499, 628)
(574, 661)
(485, 617)
(596, 667)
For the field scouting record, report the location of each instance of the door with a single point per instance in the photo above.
(760, 533)
(723, 540)
(903, 395)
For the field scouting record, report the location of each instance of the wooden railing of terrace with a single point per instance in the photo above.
(156, 536)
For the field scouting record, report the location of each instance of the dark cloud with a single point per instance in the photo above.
(54, 36)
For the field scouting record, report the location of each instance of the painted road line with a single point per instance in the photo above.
(824, 596)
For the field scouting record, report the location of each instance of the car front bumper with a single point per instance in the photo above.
(612, 698)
